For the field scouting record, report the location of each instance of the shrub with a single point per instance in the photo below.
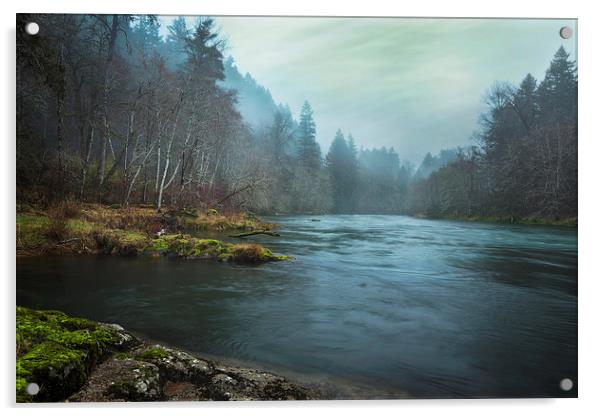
(59, 215)
(57, 227)
(70, 208)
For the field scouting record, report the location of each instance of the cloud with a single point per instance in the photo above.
(413, 84)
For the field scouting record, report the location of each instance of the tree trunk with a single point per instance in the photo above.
(60, 106)
(168, 152)
(105, 101)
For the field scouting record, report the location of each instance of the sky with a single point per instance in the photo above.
(414, 84)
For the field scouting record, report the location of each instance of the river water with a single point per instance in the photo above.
(431, 308)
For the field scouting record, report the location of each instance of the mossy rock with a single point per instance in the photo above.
(188, 247)
(253, 253)
(121, 380)
(154, 353)
(57, 370)
(140, 382)
(175, 364)
(57, 352)
(62, 355)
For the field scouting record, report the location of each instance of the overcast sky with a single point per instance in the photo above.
(414, 84)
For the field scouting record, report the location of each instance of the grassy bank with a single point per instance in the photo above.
(563, 222)
(71, 228)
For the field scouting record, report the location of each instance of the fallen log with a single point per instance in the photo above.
(255, 232)
(60, 243)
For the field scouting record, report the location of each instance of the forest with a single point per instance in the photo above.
(110, 111)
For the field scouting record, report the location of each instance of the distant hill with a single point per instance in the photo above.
(255, 102)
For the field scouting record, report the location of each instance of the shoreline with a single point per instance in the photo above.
(80, 360)
(328, 387)
(503, 220)
(94, 229)
(178, 378)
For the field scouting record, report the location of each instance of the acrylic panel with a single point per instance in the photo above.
(295, 208)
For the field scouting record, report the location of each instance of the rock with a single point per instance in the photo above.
(122, 380)
(186, 377)
(58, 370)
(182, 391)
(123, 340)
(175, 364)
(233, 383)
(75, 359)
(57, 352)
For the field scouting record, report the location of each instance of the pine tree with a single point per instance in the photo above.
(339, 163)
(204, 57)
(557, 92)
(310, 186)
(525, 103)
(146, 33)
(308, 150)
(174, 48)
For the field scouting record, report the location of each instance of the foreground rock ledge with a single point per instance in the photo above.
(78, 360)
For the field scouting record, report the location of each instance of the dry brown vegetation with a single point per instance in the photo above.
(251, 253)
(79, 227)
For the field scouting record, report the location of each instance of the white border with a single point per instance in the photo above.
(590, 152)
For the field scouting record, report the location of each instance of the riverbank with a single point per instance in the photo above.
(78, 360)
(74, 228)
(561, 222)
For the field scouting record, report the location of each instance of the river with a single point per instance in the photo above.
(432, 308)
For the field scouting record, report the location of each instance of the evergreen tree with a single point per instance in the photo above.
(525, 103)
(308, 150)
(279, 138)
(174, 49)
(342, 167)
(311, 189)
(145, 34)
(528, 162)
(558, 90)
(353, 173)
(204, 60)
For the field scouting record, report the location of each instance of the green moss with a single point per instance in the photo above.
(211, 248)
(123, 356)
(58, 370)
(247, 224)
(96, 340)
(154, 353)
(22, 396)
(159, 244)
(57, 351)
(253, 253)
(185, 246)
